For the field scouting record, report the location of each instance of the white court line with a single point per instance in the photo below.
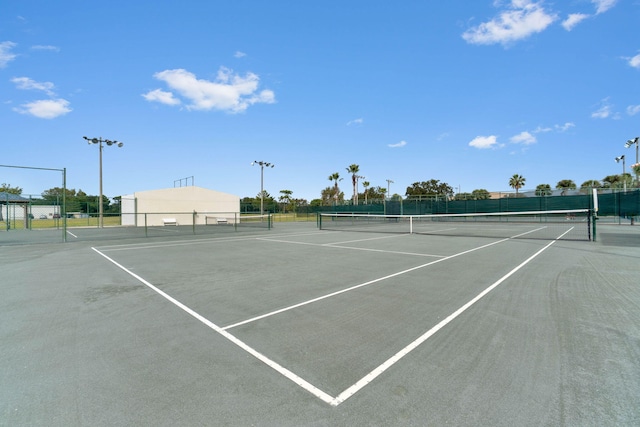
(279, 368)
(371, 282)
(339, 246)
(135, 246)
(402, 353)
(350, 391)
(368, 239)
(68, 232)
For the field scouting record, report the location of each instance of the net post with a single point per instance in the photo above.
(145, 225)
(594, 218)
(193, 221)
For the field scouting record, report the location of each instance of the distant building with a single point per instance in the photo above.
(187, 205)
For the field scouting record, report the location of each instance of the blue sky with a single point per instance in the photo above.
(468, 93)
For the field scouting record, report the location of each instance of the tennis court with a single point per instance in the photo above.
(294, 325)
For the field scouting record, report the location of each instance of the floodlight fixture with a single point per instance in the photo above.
(630, 142)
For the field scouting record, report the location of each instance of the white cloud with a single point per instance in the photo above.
(523, 138)
(573, 20)
(541, 129)
(357, 121)
(45, 109)
(158, 95)
(635, 61)
(5, 53)
(229, 92)
(632, 110)
(605, 111)
(27, 84)
(483, 142)
(47, 47)
(522, 19)
(565, 127)
(398, 145)
(603, 5)
(239, 54)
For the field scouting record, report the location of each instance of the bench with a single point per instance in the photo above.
(221, 220)
(169, 221)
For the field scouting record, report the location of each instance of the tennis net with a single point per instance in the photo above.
(546, 225)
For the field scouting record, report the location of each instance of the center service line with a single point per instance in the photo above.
(370, 282)
(279, 368)
(399, 355)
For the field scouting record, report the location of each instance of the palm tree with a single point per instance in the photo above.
(611, 181)
(592, 183)
(335, 177)
(353, 170)
(543, 190)
(285, 199)
(366, 185)
(564, 185)
(517, 182)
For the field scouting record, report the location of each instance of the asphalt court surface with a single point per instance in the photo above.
(295, 326)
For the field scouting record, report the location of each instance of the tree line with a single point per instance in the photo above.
(79, 201)
(76, 201)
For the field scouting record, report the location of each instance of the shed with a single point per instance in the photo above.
(8, 204)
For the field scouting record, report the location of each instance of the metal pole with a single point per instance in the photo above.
(261, 189)
(262, 165)
(624, 178)
(64, 205)
(637, 182)
(100, 211)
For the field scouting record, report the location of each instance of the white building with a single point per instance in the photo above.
(182, 205)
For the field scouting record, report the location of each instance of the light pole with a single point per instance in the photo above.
(262, 165)
(389, 182)
(358, 177)
(628, 144)
(99, 141)
(624, 180)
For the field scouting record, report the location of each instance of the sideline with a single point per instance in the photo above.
(350, 391)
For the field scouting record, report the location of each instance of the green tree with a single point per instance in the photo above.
(268, 202)
(366, 185)
(592, 183)
(517, 182)
(480, 194)
(7, 188)
(335, 177)
(248, 205)
(432, 188)
(612, 181)
(329, 196)
(353, 170)
(617, 181)
(285, 199)
(566, 184)
(543, 190)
